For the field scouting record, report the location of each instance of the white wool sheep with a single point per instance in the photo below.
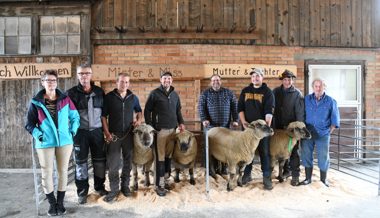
(184, 154)
(283, 142)
(142, 152)
(236, 148)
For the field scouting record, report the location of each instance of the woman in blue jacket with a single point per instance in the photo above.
(53, 120)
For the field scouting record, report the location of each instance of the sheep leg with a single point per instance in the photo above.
(176, 178)
(239, 170)
(191, 172)
(232, 183)
(281, 170)
(212, 167)
(135, 177)
(147, 168)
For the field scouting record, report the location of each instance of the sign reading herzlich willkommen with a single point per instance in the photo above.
(33, 70)
(109, 72)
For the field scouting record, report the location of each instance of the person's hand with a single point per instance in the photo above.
(332, 129)
(245, 124)
(206, 123)
(181, 127)
(235, 124)
(108, 137)
(136, 123)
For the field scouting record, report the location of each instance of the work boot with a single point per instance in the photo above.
(267, 183)
(126, 191)
(323, 178)
(110, 196)
(247, 176)
(308, 172)
(295, 181)
(160, 190)
(102, 192)
(52, 204)
(82, 199)
(61, 210)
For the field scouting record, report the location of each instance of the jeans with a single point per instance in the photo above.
(322, 145)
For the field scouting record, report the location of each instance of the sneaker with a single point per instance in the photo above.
(246, 178)
(110, 196)
(82, 199)
(102, 192)
(267, 183)
(126, 191)
(52, 210)
(161, 191)
(61, 210)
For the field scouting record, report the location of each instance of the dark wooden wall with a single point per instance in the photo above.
(331, 23)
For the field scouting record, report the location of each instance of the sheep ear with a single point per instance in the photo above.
(250, 125)
(135, 131)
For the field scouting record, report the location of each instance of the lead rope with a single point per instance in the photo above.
(290, 144)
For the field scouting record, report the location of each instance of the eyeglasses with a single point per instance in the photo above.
(50, 80)
(84, 73)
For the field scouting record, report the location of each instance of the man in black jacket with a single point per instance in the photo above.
(256, 101)
(289, 107)
(163, 112)
(88, 99)
(119, 107)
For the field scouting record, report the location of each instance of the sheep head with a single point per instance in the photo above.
(144, 134)
(183, 140)
(298, 130)
(260, 129)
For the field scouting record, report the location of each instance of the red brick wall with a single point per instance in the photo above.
(231, 54)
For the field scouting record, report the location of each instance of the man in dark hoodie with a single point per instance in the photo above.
(289, 107)
(88, 99)
(163, 112)
(256, 101)
(119, 107)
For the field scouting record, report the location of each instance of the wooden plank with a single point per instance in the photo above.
(261, 21)
(130, 18)
(228, 11)
(335, 24)
(325, 23)
(271, 19)
(142, 13)
(346, 18)
(217, 6)
(305, 23)
(194, 13)
(294, 22)
(184, 13)
(97, 14)
(367, 22)
(376, 23)
(171, 14)
(207, 11)
(107, 18)
(315, 23)
(357, 31)
(240, 14)
(283, 25)
(118, 12)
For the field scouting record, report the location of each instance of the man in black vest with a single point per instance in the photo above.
(119, 107)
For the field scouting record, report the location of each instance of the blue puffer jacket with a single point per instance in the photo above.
(42, 127)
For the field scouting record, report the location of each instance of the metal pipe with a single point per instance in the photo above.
(36, 194)
(207, 163)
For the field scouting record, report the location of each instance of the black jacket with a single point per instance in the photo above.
(256, 102)
(163, 110)
(289, 106)
(120, 110)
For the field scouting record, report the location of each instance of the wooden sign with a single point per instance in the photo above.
(110, 72)
(33, 70)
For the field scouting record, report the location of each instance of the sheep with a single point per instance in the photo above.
(185, 151)
(236, 148)
(283, 142)
(142, 152)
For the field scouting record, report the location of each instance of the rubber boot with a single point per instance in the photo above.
(323, 178)
(61, 210)
(168, 170)
(308, 172)
(160, 186)
(267, 181)
(295, 181)
(114, 186)
(52, 204)
(247, 177)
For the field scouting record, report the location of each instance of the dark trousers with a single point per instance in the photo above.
(123, 147)
(263, 149)
(294, 162)
(84, 142)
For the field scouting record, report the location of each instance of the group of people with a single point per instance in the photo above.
(218, 106)
(86, 120)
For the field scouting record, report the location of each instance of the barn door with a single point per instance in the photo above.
(344, 84)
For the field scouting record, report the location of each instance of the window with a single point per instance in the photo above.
(60, 34)
(15, 35)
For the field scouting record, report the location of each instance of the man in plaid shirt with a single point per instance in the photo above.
(218, 108)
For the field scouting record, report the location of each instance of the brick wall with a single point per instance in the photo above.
(234, 54)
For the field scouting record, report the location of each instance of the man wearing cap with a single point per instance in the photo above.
(256, 101)
(163, 112)
(218, 108)
(289, 107)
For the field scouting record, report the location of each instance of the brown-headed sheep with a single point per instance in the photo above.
(142, 152)
(236, 148)
(184, 154)
(283, 142)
